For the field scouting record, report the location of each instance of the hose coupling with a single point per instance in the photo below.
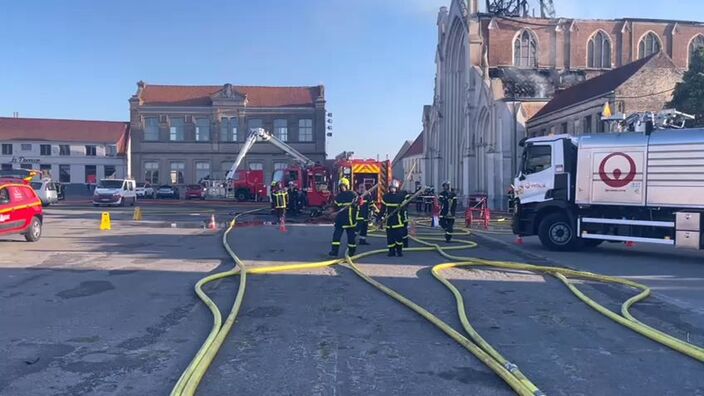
(511, 367)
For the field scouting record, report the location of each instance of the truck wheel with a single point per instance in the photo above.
(556, 233)
(34, 232)
(242, 195)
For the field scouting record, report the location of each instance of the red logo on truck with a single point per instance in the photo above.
(617, 181)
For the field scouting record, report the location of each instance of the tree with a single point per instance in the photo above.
(688, 96)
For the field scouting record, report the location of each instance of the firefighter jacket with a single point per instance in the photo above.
(366, 206)
(345, 203)
(391, 203)
(281, 199)
(448, 204)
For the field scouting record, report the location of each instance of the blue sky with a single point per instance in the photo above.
(81, 59)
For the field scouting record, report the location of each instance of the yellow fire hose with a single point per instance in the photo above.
(509, 372)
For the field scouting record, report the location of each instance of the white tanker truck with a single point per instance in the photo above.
(576, 192)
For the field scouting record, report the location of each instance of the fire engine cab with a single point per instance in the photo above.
(20, 209)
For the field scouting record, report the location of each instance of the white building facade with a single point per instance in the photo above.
(68, 151)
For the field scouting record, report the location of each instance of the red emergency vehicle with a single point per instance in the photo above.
(248, 185)
(20, 209)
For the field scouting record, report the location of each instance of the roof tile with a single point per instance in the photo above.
(200, 95)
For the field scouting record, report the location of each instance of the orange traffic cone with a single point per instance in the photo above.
(630, 244)
(213, 225)
(519, 241)
(282, 225)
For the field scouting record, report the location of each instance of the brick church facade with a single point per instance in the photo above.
(493, 73)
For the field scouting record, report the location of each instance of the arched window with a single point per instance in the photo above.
(695, 45)
(599, 51)
(525, 49)
(648, 45)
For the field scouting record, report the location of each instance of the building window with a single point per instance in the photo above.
(281, 129)
(587, 125)
(599, 51)
(151, 129)
(65, 173)
(280, 165)
(91, 174)
(599, 123)
(45, 170)
(563, 127)
(176, 129)
(305, 130)
(202, 170)
(225, 167)
(648, 45)
(228, 129)
(90, 150)
(256, 165)
(109, 171)
(64, 149)
(26, 166)
(695, 46)
(7, 149)
(254, 123)
(26, 147)
(110, 150)
(151, 172)
(177, 168)
(202, 130)
(45, 149)
(6, 166)
(525, 49)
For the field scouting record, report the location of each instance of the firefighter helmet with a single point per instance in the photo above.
(395, 184)
(344, 182)
(446, 183)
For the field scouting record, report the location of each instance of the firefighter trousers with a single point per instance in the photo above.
(362, 229)
(447, 223)
(394, 240)
(337, 237)
(404, 234)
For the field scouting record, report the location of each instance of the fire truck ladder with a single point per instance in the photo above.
(257, 134)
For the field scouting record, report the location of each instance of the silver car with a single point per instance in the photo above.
(46, 190)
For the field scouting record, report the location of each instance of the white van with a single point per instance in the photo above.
(118, 192)
(46, 190)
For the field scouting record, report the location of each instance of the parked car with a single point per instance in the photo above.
(20, 210)
(195, 191)
(167, 191)
(145, 190)
(46, 191)
(118, 192)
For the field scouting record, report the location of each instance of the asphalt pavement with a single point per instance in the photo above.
(113, 313)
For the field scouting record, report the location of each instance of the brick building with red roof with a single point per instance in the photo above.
(183, 134)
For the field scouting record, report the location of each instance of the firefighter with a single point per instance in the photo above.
(391, 210)
(366, 206)
(280, 201)
(345, 219)
(272, 196)
(448, 206)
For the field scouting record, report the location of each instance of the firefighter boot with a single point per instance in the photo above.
(399, 250)
(405, 242)
(334, 251)
(392, 252)
(351, 251)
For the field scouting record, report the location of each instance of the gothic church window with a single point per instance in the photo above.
(599, 51)
(697, 44)
(648, 45)
(525, 49)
